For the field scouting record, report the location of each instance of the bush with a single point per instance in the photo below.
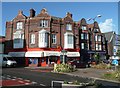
(102, 66)
(64, 68)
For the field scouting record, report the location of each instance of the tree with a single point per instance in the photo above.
(118, 53)
(97, 58)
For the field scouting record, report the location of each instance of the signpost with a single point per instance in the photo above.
(64, 53)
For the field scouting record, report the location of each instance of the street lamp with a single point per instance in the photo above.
(98, 16)
(64, 53)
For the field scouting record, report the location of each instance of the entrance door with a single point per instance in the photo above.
(33, 62)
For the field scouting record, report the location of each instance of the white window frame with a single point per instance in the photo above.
(99, 38)
(32, 38)
(43, 38)
(82, 35)
(18, 36)
(68, 40)
(100, 47)
(19, 25)
(84, 28)
(82, 46)
(44, 23)
(97, 47)
(68, 26)
(54, 38)
(96, 36)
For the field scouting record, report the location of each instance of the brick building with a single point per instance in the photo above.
(2, 44)
(37, 40)
(113, 43)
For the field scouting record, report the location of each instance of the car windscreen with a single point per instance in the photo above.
(10, 58)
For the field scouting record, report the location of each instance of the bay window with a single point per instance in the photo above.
(68, 40)
(19, 25)
(18, 39)
(43, 38)
(68, 26)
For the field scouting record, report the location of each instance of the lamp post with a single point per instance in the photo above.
(64, 53)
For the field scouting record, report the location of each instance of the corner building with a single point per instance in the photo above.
(38, 40)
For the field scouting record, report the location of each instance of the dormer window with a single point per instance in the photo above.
(68, 26)
(44, 23)
(19, 25)
(84, 28)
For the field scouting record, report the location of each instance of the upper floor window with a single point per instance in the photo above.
(82, 36)
(82, 45)
(19, 25)
(54, 38)
(18, 40)
(32, 39)
(84, 28)
(86, 36)
(44, 23)
(70, 39)
(68, 26)
(99, 38)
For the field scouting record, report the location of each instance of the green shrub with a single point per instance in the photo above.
(64, 68)
(102, 66)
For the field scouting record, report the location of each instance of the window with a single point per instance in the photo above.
(70, 39)
(32, 39)
(19, 25)
(97, 47)
(18, 41)
(44, 23)
(68, 27)
(83, 27)
(82, 36)
(99, 38)
(43, 38)
(95, 37)
(86, 36)
(88, 46)
(82, 45)
(54, 38)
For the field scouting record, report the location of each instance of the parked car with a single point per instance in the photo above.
(79, 64)
(7, 61)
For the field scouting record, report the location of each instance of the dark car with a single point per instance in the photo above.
(79, 64)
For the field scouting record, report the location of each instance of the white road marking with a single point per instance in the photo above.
(8, 75)
(27, 80)
(42, 85)
(27, 83)
(21, 81)
(20, 78)
(34, 82)
(15, 77)
(8, 78)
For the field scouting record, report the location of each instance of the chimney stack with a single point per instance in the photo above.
(32, 12)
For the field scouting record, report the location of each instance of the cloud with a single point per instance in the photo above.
(107, 26)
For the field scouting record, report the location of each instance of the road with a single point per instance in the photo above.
(23, 77)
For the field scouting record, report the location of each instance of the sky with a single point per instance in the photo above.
(108, 11)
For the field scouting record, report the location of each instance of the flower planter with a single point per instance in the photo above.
(71, 86)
